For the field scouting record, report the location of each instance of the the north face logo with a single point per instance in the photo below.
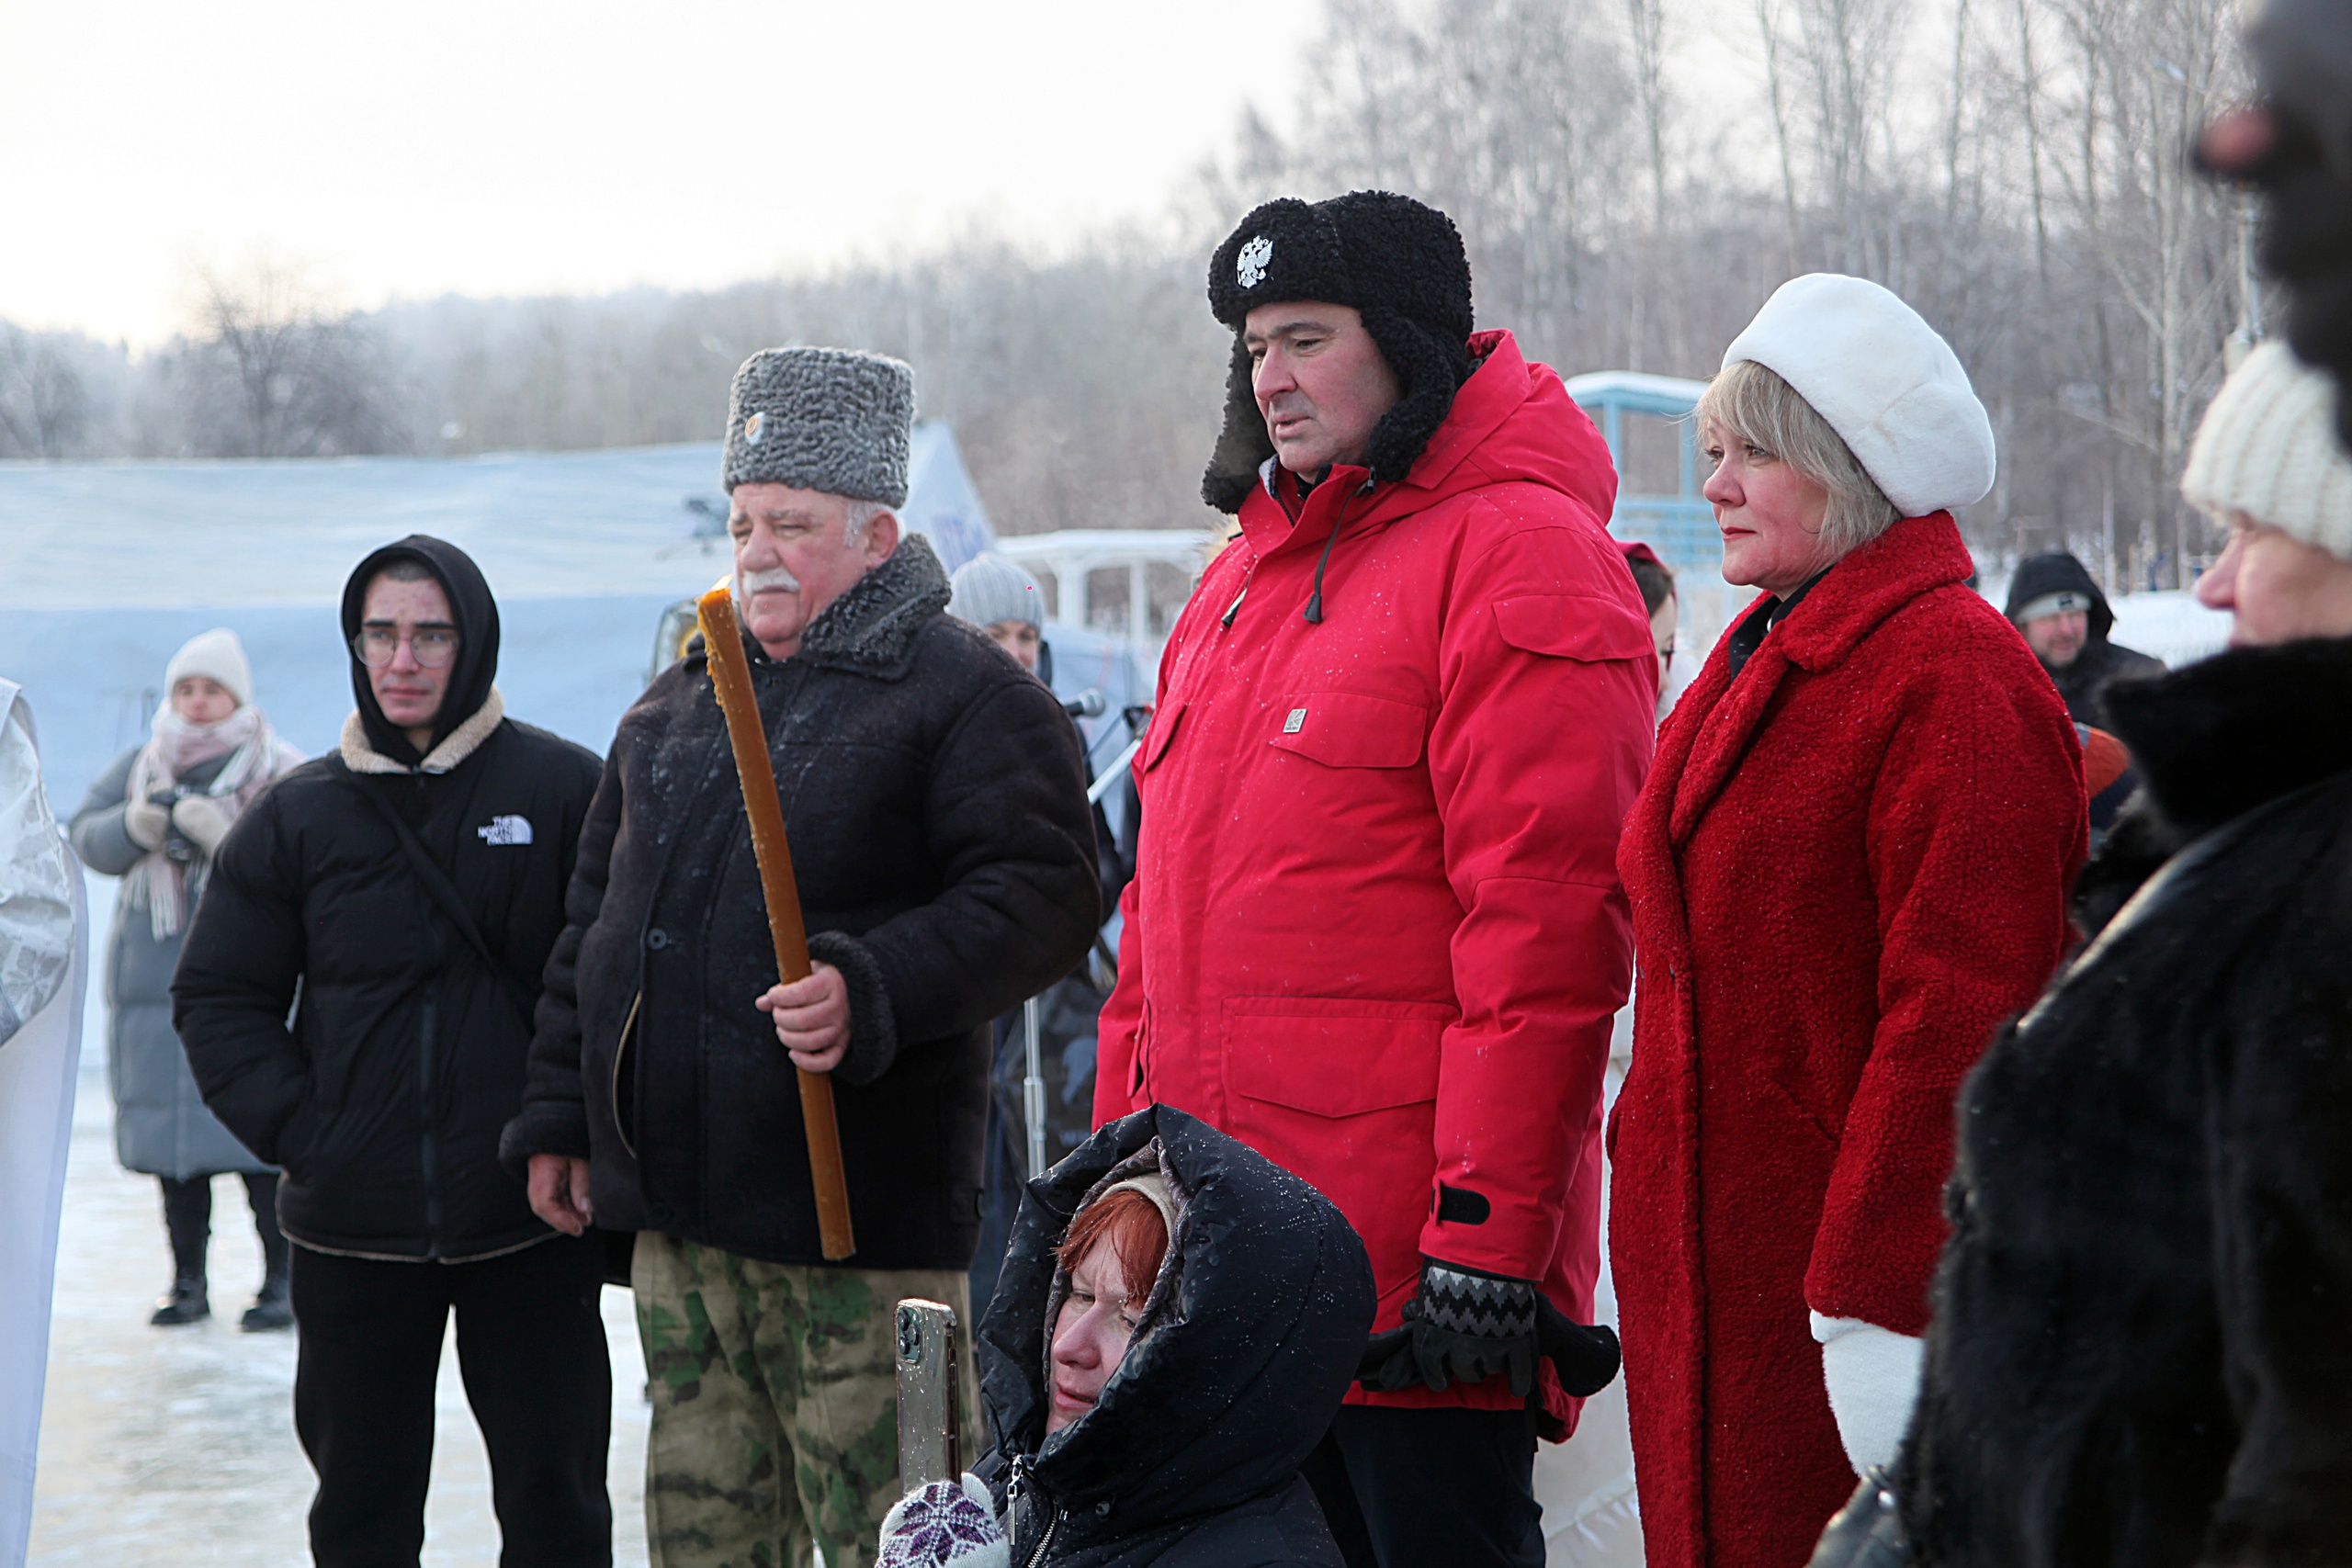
(506, 831)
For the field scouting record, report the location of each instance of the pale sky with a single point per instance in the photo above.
(524, 146)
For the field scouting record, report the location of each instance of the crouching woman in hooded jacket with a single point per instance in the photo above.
(1176, 1323)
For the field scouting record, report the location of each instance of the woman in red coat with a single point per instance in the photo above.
(1847, 865)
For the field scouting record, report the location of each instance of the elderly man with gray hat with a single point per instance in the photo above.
(935, 802)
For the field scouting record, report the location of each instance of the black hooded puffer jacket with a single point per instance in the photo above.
(384, 1099)
(1190, 1458)
(2100, 660)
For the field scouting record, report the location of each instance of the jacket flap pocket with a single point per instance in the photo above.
(1334, 1055)
(1161, 731)
(1345, 730)
(1573, 626)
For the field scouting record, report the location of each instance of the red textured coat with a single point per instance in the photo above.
(1376, 930)
(1849, 865)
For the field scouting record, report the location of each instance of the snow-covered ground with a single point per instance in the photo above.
(162, 1447)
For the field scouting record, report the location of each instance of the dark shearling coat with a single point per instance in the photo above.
(2142, 1351)
(936, 806)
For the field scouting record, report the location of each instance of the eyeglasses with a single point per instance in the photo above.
(432, 647)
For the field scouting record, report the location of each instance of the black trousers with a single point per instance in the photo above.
(188, 1220)
(531, 1346)
(1419, 1488)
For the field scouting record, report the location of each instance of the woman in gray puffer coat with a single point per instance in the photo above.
(153, 819)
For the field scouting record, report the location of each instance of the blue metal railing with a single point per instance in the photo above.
(1683, 531)
(1681, 527)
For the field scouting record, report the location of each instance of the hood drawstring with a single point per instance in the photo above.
(1315, 600)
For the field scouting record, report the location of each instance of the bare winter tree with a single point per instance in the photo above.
(273, 371)
(2013, 168)
(44, 405)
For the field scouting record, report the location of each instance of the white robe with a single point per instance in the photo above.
(44, 952)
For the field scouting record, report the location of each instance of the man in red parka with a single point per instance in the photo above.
(1376, 930)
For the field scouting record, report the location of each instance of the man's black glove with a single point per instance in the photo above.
(1466, 1326)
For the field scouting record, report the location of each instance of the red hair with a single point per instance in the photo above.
(1138, 1236)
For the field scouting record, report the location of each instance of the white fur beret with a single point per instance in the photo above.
(2267, 447)
(1886, 381)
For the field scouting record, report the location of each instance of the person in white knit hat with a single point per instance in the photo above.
(1847, 865)
(2265, 465)
(154, 818)
(2138, 1346)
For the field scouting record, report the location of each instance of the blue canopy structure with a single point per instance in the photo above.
(1681, 527)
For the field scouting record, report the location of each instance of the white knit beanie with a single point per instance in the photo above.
(216, 655)
(989, 589)
(2267, 448)
(1886, 381)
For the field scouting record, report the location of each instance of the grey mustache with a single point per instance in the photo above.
(750, 582)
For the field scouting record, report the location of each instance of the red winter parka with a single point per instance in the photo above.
(1376, 931)
(1849, 866)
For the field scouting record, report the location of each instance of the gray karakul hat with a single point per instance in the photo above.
(824, 418)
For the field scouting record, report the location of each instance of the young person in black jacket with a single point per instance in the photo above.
(2138, 1355)
(355, 995)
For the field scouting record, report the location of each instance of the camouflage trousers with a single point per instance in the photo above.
(775, 1390)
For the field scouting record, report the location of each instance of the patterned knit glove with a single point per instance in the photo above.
(1465, 1326)
(941, 1524)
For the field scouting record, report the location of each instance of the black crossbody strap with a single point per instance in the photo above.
(444, 895)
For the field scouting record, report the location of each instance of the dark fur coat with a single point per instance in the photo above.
(2142, 1346)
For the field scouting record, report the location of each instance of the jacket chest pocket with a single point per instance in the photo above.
(1349, 729)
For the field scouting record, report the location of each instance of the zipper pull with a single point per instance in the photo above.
(1235, 608)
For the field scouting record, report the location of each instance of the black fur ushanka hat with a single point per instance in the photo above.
(1396, 261)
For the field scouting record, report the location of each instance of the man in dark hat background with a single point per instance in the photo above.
(356, 996)
(1421, 681)
(2065, 620)
(935, 802)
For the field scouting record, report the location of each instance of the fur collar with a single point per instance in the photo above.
(454, 748)
(871, 628)
(2223, 736)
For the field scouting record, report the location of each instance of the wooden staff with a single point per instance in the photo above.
(730, 677)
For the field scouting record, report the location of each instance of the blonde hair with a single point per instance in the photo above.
(1751, 401)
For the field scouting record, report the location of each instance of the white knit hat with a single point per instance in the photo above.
(2267, 448)
(989, 589)
(216, 655)
(1886, 381)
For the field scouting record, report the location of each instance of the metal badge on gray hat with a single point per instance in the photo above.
(823, 419)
